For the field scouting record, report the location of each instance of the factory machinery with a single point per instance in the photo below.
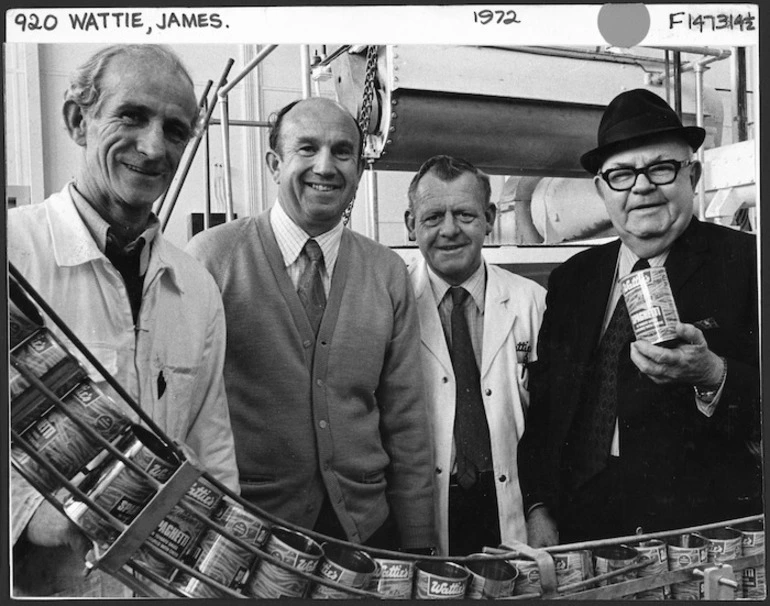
(166, 528)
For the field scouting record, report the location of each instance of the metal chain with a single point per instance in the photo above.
(365, 116)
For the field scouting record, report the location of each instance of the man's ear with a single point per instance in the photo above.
(75, 122)
(273, 161)
(696, 171)
(490, 214)
(409, 222)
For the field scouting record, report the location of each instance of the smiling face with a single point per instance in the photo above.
(449, 223)
(134, 137)
(648, 217)
(317, 166)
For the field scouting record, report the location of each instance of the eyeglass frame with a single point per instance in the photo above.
(678, 166)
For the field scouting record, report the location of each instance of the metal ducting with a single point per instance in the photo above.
(510, 111)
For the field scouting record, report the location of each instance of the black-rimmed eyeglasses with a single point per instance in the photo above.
(657, 173)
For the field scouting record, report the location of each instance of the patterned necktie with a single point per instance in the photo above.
(595, 422)
(471, 432)
(310, 288)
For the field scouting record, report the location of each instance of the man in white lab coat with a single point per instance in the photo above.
(479, 326)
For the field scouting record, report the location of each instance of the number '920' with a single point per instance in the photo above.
(489, 16)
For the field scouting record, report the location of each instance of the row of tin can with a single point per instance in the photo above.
(683, 551)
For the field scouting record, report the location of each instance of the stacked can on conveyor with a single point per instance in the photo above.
(725, 545)
(654, 551)
(219, 558)
(120, 490)
(685, 551)
(754, 584)
(178, 533)
(346, 566)
(295, 549)
(67, 447)
(392, 579)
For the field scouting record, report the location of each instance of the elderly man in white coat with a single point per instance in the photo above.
(479, 326)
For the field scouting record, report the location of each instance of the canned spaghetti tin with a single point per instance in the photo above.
(654, 551)
(436, 580)
(392, 579)
(684, 551)
(119, 490)
(572, 566)
(221, 559)
(43, 356)
(725, 545)
(490, 579)
(66, 446)
(179, 531)
(528, 580)
(343, 565)
(297, 551)
(754, 584)
(616, 557)
(651, 305)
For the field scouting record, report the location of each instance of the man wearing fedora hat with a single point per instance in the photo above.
(625, 435)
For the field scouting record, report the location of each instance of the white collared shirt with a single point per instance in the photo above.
(291, 240)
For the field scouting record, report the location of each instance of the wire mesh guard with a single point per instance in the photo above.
(165, 528)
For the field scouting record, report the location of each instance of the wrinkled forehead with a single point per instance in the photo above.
(135, 78)
(320, 119)
(434, 192)
(652, 150)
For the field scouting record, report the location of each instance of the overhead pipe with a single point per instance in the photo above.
(225, 119)
(304, 66)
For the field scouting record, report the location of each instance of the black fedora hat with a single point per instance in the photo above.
(632, 117)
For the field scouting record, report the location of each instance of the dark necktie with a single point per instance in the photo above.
(310, 288)
(595, 423)
(471, 432)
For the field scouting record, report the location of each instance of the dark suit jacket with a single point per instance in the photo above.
(673, 454)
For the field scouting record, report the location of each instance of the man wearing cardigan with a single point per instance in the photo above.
(322, 368)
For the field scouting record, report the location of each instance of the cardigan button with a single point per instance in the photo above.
(324, 343)
(307, 343)
(319, 382)
(445, 379)
(322, 424)
(502, 478)
(438, 469)
(488, 392)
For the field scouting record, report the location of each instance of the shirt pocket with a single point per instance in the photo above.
(178, 397)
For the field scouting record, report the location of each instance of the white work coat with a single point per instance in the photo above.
(513, 310)
(171, 362)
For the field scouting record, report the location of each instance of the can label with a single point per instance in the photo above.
(610, 559)
(725, 545)
(65, 445)
(685, 551)
(293, 548)
(440, 581)
(651, 305)
(572, 567)
(754, 582)
(349, 567)
(179, 531)
(528, 580)
(654, 552)
(119, 490)
(392, 578)
(219, 558)
(492, 579)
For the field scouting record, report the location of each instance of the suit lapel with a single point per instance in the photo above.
(432, 333)
(591, 300)
(498, 322)
(686, 256)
